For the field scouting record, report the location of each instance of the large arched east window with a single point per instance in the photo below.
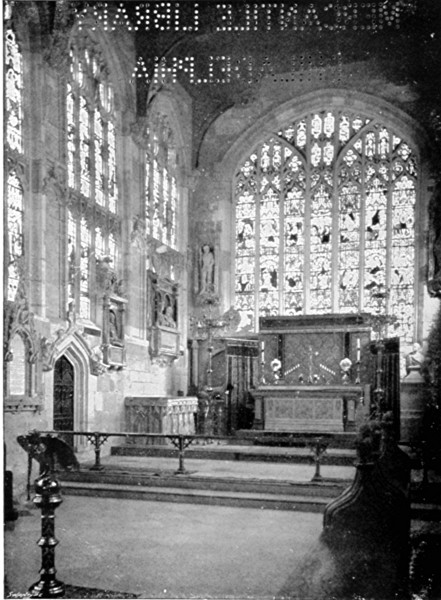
(325, 221)
(93, 223)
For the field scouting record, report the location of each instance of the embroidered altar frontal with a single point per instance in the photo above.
(313, 374)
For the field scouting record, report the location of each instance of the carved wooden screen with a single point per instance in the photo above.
(235, 375)
(386, 376)
(325, 221)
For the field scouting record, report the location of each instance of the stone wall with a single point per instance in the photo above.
(99, 390)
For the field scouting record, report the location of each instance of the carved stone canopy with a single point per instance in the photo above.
(19, 320)
(52, 349)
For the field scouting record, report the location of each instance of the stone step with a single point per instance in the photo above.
(334, 456)
(197, 496)
(292, 439)
(278, 499)
(327, 488)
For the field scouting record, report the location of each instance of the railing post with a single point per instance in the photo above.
(319, 448)
(95, 439)
(181, 449)
(48, 498)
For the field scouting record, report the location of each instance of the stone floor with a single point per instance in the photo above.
(297, 472)
(161, 550)
(167, 550)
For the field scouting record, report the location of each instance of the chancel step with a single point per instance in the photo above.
(327, 488)
(261, 494)
(198, 496)
(334, 456)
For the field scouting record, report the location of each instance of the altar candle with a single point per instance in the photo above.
(263, 352)
(358, 349)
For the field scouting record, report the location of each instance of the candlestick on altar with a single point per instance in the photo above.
(358, 350)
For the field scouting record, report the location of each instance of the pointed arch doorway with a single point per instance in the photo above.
(64, 381)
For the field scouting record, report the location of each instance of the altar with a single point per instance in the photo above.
(314, 373)
(332, 409)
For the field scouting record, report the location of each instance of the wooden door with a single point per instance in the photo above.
(64, 398)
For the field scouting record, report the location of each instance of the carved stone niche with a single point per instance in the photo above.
(163, 319)
(114, 350)
(22, 368)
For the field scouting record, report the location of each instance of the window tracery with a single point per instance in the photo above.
(325, 221)
(161, 183)
(93, 229)
(14, 140)
(13, 92)
(15, 217)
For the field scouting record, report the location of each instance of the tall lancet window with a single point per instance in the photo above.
(14, 147)
(325, 221)
(161, 183)
(93, 224)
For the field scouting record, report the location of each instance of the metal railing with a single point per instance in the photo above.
(317, 443)
(98, 438)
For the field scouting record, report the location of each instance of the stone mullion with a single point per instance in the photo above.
(389, 212)
(77, 161)
(148, 191)
(281, 237)
(335, 228)
(257, 242)
(77, 263)
(94, 212)
(77, 208)
(362, 224)
(307, 248)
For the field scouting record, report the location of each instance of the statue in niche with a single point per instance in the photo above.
(166, 317)
(114, 328)
(207, 269)
(414, 359)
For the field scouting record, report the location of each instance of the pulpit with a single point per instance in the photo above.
(315, 373)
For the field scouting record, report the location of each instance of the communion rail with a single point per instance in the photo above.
(317, 442)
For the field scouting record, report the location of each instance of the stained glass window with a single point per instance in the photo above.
(91, 153)
(13, 92)
(94, 226)
(161, 183)
(15, 231)
(325, 221)
(14, 139)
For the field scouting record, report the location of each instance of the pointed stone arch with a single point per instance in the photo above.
(76, 351)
